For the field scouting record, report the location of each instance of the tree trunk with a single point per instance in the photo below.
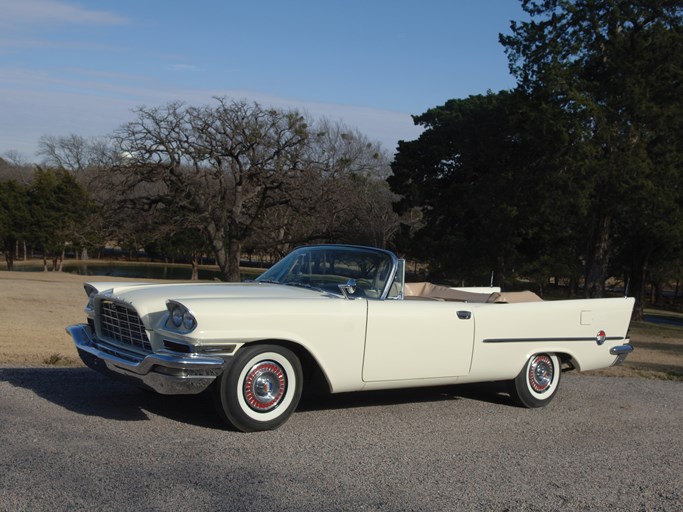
(234, 256)
(221, 254)
(500, 273)
(195, 267)
(217, 238)
(61, 259)
(638, 280)
(597, 261)
(9, 258)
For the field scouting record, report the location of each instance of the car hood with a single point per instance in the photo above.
(149, 298)
(134, 292)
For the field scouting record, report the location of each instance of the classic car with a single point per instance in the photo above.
(339, 318)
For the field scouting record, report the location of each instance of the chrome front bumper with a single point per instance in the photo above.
(165, 372)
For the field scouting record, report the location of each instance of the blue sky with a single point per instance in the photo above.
(80, 66)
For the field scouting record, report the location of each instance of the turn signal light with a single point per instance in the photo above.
(601, 337)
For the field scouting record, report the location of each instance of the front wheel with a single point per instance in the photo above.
(260, 389)
(537, 383)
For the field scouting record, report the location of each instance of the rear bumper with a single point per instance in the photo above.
(621, 351)
(165, 372)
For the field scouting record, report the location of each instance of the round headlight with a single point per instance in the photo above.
(177, 316)
(188, 321)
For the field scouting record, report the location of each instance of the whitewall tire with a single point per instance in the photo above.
(260, 389)
(538, 382)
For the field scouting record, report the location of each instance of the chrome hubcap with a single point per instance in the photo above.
(541, 373)
(264, 386)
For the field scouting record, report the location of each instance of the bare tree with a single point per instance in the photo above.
(14, 158)
(375, 219)
(76, 154)
(13, 166)
(223, 164)
(341, 195)
(350, 170)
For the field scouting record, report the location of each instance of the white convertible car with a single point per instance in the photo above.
(339, 318)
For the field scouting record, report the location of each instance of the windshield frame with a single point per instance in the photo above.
(283, 271)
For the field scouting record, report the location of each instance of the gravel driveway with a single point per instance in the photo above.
(73, 440)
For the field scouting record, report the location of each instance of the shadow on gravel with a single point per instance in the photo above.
(491, 392)
(84, 391)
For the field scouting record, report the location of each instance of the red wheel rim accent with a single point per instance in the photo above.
(541, 373)
(264, 386)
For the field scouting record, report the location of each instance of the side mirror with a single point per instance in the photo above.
(348, 289)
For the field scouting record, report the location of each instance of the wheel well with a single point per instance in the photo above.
(567, 362)
(315, 381)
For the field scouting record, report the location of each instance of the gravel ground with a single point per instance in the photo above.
(73, 440)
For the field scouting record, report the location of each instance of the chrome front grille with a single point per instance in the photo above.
(120, 322)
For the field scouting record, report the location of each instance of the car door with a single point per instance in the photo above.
(415, 339)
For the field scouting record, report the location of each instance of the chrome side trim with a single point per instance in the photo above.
(165, 372)
(535, 340)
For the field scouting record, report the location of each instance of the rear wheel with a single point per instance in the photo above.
(537, 383)
(261, 389)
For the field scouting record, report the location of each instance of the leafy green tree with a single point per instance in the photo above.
(59, 210)
(489, 175)
(615, 66)
(14, 218)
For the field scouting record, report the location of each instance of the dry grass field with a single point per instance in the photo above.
(36, 306)
(658, 350)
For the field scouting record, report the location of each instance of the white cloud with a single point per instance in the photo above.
(93, 109)
(11, 44)
(182, 67)
(53, 11)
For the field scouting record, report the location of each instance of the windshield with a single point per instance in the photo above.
(326, 267)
